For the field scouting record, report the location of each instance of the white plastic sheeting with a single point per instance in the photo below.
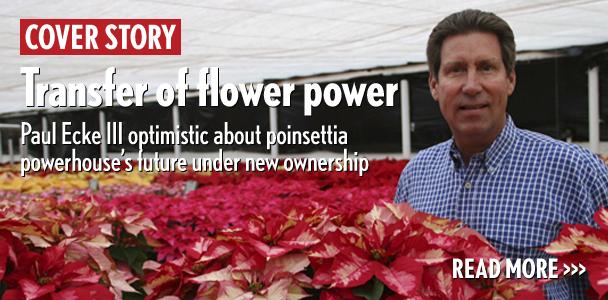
(252, 40)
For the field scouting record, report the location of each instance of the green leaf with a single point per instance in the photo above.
(133, 256)
(372, 290)
(137, 285)
(132, 250)
(2, 288)
(132, 296)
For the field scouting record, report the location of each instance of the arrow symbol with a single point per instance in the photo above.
(574, 269)
(567, 269)
(582, 269)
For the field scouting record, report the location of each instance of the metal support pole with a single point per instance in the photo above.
(1, 150)
(22, 148)
(45, 147)
(406, 138)
(274, 127)
(11, 154)
(594, 109)
(103, 148)
(177, 149)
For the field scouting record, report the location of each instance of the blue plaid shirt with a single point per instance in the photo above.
(516, 193)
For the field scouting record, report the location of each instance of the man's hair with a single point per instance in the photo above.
(466, 21)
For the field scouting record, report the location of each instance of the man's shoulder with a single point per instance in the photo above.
(554, 151)
(420, 168)
(549, 145)
(431, 155)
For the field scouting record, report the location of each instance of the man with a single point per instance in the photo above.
(514, 186)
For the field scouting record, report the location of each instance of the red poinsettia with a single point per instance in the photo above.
(588, 246)
(274, 237)
(351, 256)
(278, 278)
(377, 251)
(327, 235)
(173, 277)
(49, 276)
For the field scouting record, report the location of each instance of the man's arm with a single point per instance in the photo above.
(401, 195)
(592, 186)
(599, 184)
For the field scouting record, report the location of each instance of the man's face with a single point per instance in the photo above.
(472, 85)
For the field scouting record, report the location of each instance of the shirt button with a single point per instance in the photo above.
(468, 185)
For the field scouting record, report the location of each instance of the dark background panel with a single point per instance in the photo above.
(533, 103)
(35, 120)
(428, 125)
(140, 119)
(89, 117)
(370, 129)
(212, 119)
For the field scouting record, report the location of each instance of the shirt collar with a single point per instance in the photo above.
(493, 156)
